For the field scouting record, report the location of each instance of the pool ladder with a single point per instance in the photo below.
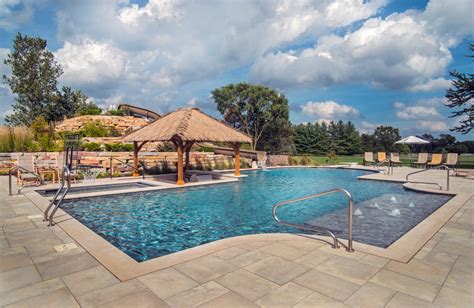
(55, 202)
(336, 241)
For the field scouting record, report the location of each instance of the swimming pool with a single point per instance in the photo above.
(146, 225)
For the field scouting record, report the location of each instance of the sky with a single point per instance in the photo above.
(373, 62)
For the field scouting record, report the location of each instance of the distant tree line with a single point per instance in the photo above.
(344, 139)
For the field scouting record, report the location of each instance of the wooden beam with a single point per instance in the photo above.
(236, 147)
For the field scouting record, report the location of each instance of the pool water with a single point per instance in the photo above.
(150, 224)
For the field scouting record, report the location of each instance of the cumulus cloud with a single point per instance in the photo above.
(433, 126)
(424, 115)
(14, 13)
(185, 41)
(408, 50)
(418, 112)
(431, 85)
(367, 127)
(329, 110)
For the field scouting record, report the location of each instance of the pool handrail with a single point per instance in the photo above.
(432, 183)
(389, 165)
(111, 158)
(22, 169)
(336, 241)
(66, 174)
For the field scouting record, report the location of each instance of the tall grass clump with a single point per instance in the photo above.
(15, 139)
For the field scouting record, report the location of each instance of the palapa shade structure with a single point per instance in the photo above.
(183, 128)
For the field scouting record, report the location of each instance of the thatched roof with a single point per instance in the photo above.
(189, 124)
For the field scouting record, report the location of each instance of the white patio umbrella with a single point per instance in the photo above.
(412, 140)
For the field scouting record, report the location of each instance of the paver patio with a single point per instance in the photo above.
(297, 273)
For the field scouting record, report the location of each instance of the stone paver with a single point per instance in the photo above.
(167, 282)
(328, 285)
(144, 298)
(285, 296)
(229, 299)
(408, 285)
(265, 273)
(205, 268)
(277, 269)
(89, 280)
(198, 295)
(57, 298)
(247, 284)
(371, 295)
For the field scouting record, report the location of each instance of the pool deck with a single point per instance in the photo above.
(271, 270)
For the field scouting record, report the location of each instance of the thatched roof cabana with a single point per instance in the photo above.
(184, 127)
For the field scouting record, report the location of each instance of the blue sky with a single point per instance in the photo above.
(372, 62)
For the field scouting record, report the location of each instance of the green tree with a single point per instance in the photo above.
(385, 138)
(71, 102)
(461, 95)
(34, 80)
(88, 108)
(260, 112)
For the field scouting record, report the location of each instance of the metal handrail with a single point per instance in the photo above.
(389, 165)
(10, 185)
(66, 174)
(111, 158)
(304, 227)
(432, 183)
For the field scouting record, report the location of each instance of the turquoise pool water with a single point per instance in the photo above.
(146, 225)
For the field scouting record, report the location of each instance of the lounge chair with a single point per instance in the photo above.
(24, 178)
(436, 160)
(382, 157)
(422, 160)
(395, 159)
(451, 160)
(369, 158)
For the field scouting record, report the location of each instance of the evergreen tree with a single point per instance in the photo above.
(461, 95)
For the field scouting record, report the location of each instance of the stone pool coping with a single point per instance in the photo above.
(125, 267)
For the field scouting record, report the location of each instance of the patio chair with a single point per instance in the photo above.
(369, 158)
(422, 160)
(436, 160)
(395, 159)
(451, 160)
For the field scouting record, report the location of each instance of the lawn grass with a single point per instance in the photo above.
(464, 161)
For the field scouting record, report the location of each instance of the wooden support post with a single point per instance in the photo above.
(136, 149)
(180, 148)
(135, 158)
(236, 147)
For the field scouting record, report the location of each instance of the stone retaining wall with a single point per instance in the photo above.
(155, 162)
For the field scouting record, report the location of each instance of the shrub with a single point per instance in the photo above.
(305, 160)
(332, 157)
(92, 147)
(116, 112)
(220, 165)
(95, 129)
(127, 147)
(88, 109)
(119, 147)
